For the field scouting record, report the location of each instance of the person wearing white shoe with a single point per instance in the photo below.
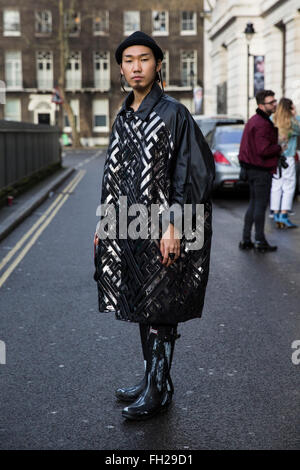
(284, 184)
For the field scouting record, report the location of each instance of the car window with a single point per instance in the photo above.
(228, 135)
(209, 137)
(206, 126)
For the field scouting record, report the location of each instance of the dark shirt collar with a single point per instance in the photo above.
(146, 105)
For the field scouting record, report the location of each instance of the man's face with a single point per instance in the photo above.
(269, 106)
(139, 67)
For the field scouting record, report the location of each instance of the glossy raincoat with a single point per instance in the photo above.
(156, 156)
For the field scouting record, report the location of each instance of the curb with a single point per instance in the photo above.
(12, 221)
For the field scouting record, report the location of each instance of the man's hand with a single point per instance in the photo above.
(284, 146)
(96, 242)
(170, 243)
(96, 239)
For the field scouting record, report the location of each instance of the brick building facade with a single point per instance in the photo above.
(29, 57)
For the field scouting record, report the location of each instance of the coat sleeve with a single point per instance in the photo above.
(193, 168)
(112, 140)
(264, 147)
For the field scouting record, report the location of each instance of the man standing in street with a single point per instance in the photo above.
(157, 157)
(259, 154)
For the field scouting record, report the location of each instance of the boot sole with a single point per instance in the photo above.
(145, 417)
(246, 248)
(283, 226)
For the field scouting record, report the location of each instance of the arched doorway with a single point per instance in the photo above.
(43, 109)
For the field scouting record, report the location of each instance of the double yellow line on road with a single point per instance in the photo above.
(43, 221)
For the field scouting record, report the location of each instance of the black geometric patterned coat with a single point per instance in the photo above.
(156, 155)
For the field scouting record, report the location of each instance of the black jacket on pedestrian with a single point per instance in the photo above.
(156, 155)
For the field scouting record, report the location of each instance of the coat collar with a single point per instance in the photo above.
(263, 115)
(146, 105)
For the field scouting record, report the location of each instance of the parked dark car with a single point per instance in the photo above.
(224, 141)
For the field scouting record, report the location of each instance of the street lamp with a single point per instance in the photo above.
(249, 32)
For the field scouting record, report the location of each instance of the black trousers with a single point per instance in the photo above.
(260, 182)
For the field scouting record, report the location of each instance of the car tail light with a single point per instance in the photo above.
(219, 158)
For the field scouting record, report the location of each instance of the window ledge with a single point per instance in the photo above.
(169, 88)
(101, 89)
(127, 33)
(160, 33)
(178, 88)
(14, 88)
(188, 33)
(100, 129)
(69, 129)
(12, 33)
(74, 90)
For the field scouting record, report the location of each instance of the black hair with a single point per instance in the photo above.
(261, 96)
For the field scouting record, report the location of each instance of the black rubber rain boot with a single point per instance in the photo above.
(157, 395)
(130, 394)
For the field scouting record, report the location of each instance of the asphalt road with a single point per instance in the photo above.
(236, 386)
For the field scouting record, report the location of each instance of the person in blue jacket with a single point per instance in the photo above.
(284, 183)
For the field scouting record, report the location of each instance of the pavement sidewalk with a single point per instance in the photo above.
(25, 204)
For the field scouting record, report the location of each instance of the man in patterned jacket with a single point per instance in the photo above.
(157, 158)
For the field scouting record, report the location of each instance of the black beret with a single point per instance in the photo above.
(138, 38)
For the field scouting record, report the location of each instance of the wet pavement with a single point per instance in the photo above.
(236, 386)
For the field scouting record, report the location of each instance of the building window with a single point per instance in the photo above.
(160, 23)
(131, 22)
(12, 109)
(11, 23)
(43, 22)
(100, 115)
(188, 68)
(188, 22)
(44, 64)
(13, 69)
(165, 69)
(75, 107)
(101, 70)
(73, 72)
(72, 23)
(101, 23)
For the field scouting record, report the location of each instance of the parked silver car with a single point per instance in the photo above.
(207, 123)
(224, 141)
